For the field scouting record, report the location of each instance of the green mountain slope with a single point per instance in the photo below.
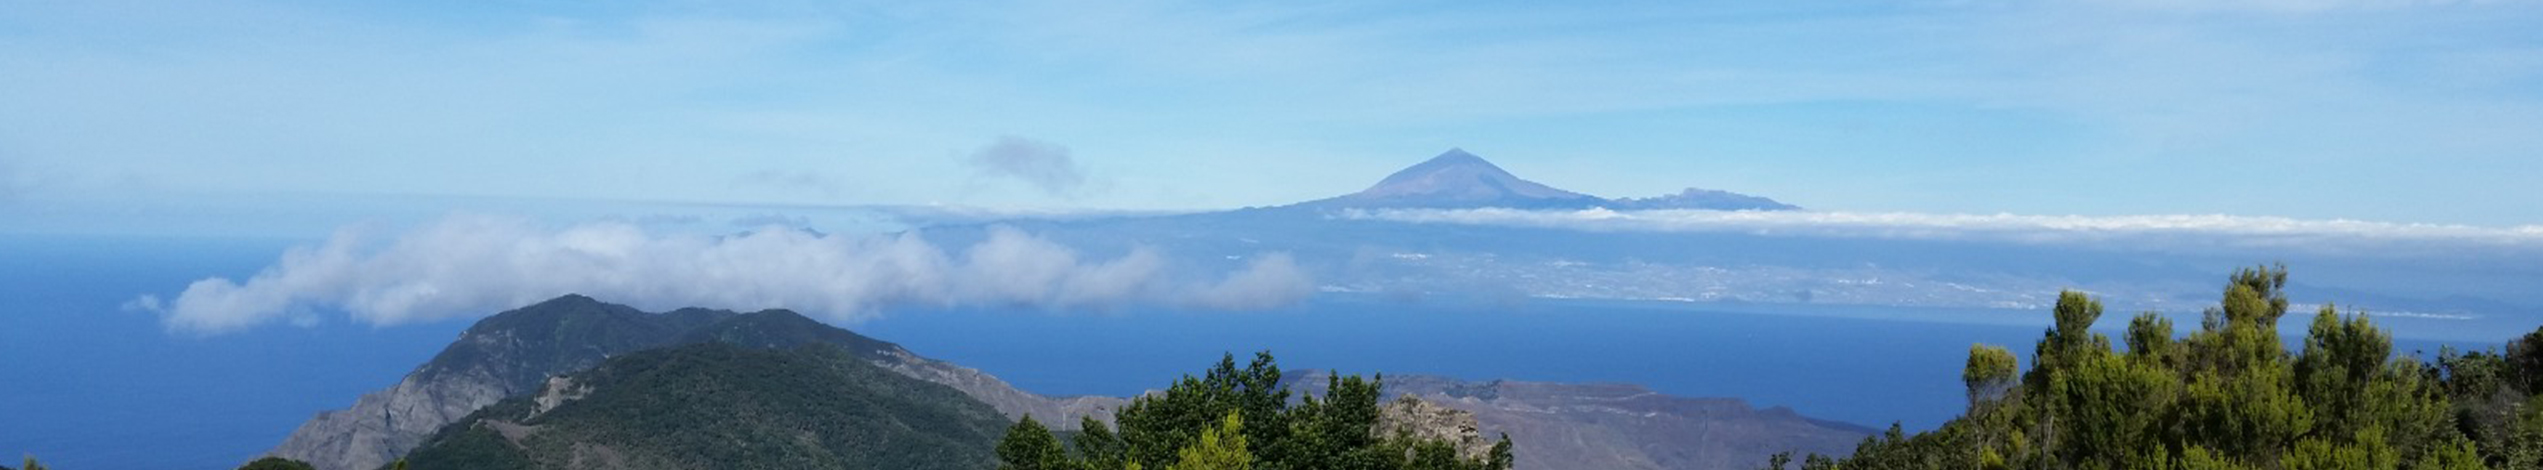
(515, 352)
(720, 405)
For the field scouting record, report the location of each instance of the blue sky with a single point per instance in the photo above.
(2400, 111)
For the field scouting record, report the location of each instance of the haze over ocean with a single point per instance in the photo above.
(96, 386)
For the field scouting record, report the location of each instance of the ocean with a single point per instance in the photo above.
(88, 384)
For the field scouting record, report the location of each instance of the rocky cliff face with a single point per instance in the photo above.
(1555, 426)
(1420, 419)
(1061, 413)
(516, 352)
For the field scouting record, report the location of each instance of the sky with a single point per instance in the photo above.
(2391, 111)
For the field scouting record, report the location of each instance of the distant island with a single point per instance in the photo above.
(1459, 180)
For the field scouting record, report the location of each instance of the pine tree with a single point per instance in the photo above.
(1220, 447)
(276, 463)
(1030, 446)
(2230, 396)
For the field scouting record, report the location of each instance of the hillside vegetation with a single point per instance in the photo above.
(2229, 395)
(1235, 419)
(719, 405)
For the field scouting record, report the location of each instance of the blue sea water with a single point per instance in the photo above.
(85, 384)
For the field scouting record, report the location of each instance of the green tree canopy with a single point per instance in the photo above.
(1990, 373)
(2230, 395)
(276, 463)
(1029, 446)
(1220, 447)
(1208, 421)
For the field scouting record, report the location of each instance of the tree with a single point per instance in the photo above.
(2150, 338)
(1335, 431)
(1990, 373)
(1101, 449)
(2458, 454)
(2106, 421)
(1030, 446)
(2341, 356)
(1153, 428)
(1220, 447)
(2525, 362)
(276, 463)
(2231, 396)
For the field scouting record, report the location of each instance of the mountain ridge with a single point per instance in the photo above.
(1457, 179)
(688, 406)
(515, 352)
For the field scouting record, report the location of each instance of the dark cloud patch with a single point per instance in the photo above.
(1047, 167)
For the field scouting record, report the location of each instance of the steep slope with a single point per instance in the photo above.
(776, 329)
(514, 353)
(504, 355)
(1617, 426)
(721, 405)
(1456, 179)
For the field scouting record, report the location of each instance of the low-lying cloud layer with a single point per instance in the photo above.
(467, 266)
(2228, 229)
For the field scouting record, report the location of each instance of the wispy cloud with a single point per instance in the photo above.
(764, 220)
(1046, 166)
(2282, 6)
(2163, 230)
(1269, 280)
(803, 181)
(467, 265)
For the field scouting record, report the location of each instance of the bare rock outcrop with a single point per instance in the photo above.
(1411, 416)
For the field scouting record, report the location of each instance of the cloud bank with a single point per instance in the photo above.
(468, 266)
(2241, 230)
(1046, 166)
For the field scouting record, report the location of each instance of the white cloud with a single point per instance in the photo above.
(466, 266)
(2208, 229)
(1270, 280)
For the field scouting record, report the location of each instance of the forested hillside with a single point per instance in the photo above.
(720, 405)
(1236, 419)
(2229, 395)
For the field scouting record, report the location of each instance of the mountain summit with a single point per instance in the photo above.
(516, 352)
(1459, 180)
